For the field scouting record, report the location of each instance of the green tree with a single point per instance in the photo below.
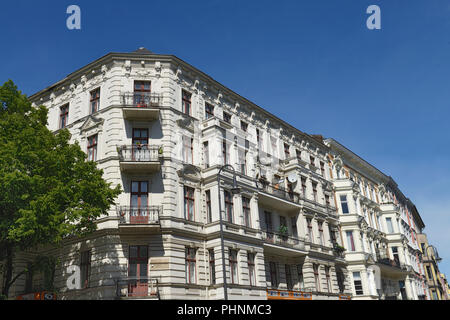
(48, 191)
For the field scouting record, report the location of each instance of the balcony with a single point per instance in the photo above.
(271, 192)
(135, 219)
(139, 158)
(141, 105)
(281, 240)
(137, 288)
(391, 267)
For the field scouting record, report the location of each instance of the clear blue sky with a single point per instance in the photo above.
(384, 93)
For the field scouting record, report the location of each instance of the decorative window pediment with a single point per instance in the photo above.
(92, 124)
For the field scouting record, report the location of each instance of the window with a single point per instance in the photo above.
(189, 201)
(310, 230)
(190, 265)
(344, 204)
(322, 240)
(299, 154)
(268, 219)
(358, 283)
(259, 140)
(138, 269)
(273, 274)
(301, 282)
(208, 206)
(246, 211)
(389, 225)
(227, 117)
(322, 168)
(395, 255)
(304, 189)
(233, 266)
(242, 154)
(327, 200)
(294, 226)
(95, 100)
(314, 187)
(209, 111)
(212, 267)
(350, 242)
(225, 153)
(289, 283)
(206, 153)
(244, 126)
(140, 137)
(139, 202)
(92, 148)
(287, 154)
(430, 275)
(251, 268)
(186, 102)
(316, 276)
(312, 161)
(141, 96)
(85, 268)
(435, 296)
(188, 149)
(64, 116)
(228, 206)
(327, 274)
(332, 235)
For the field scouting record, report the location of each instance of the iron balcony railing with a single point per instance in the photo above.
(383, 259)
(139, 215)
(137, 287)
(141, 99)
(283, 240)
(139, 153)
(279, 191)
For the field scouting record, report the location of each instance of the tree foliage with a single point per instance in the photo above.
(48, 190)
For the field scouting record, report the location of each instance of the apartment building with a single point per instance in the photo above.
(379, 226)
(220, 196)
(436, 283)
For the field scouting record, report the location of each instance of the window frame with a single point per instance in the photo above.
(94, 100)
(189, 198)
(186, 102)
(233, 263)
(85, 268)
(92, 143)
(64, 116)
(191, 265)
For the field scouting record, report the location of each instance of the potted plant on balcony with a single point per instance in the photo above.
(338, 248)
(160, 151)
(283, 231)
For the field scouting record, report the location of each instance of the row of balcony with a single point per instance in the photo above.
(131, 218)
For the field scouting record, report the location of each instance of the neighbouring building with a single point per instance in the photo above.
(436, 282)
(379, 227)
